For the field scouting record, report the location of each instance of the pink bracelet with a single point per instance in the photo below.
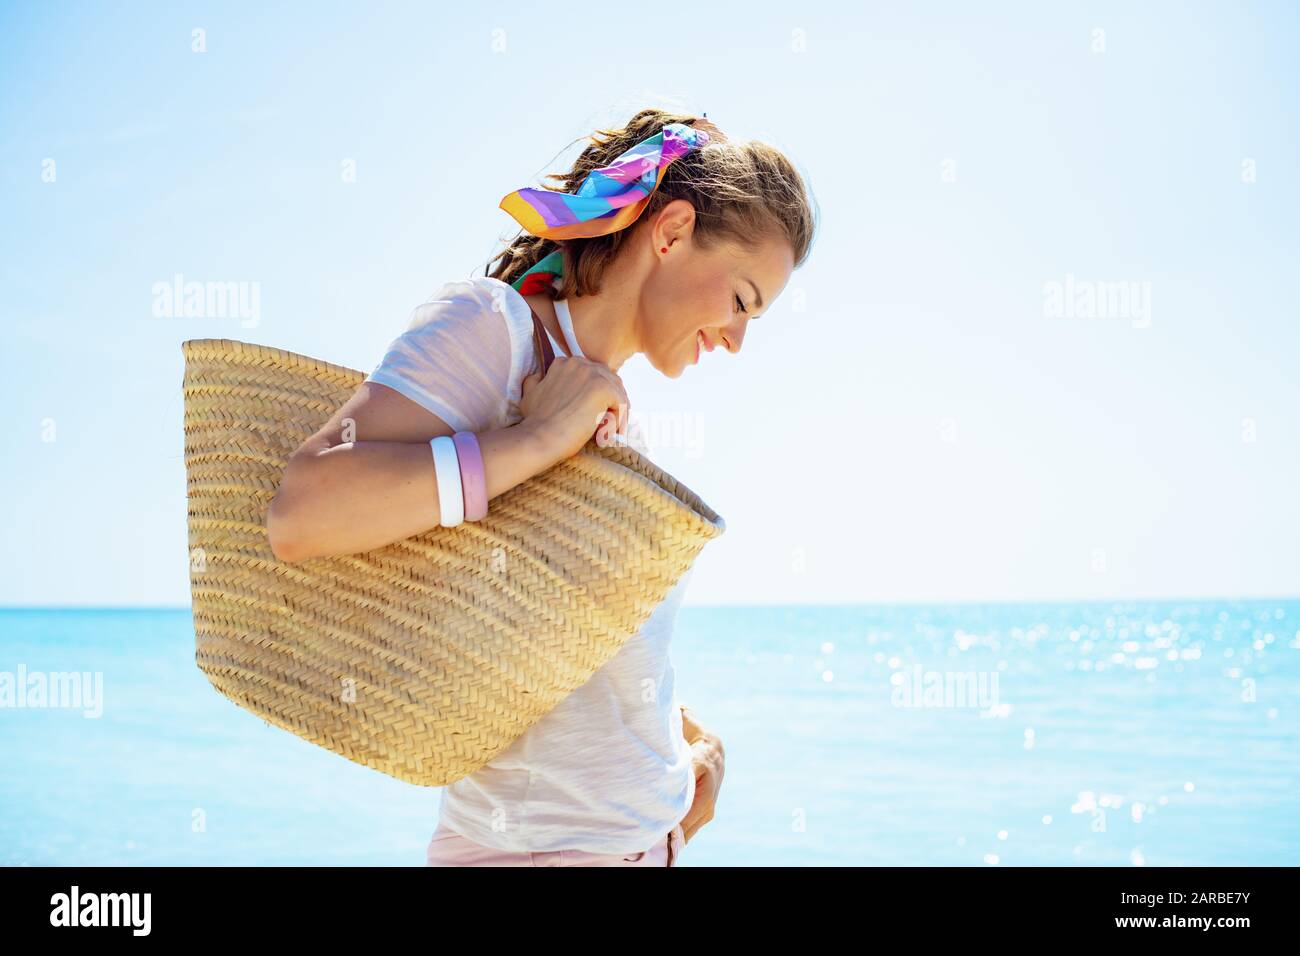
(472, 480)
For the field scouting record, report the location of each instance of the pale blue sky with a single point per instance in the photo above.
(960, 444)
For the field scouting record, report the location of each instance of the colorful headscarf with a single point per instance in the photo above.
(541, 276)
(608, 199)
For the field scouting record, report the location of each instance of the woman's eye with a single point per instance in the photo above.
(740, 304)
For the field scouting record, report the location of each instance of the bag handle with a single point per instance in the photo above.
(542, 342)
(542, 345)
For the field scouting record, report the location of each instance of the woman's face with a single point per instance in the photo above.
(695, 300)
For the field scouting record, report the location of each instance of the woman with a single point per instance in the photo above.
(668, 241)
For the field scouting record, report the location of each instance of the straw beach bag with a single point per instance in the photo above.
(426, 658)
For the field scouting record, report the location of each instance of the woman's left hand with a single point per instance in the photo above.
(707, 761)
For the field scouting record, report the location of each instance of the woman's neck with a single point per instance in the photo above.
(605, 324)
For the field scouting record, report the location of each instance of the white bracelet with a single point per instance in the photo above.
(446, 467)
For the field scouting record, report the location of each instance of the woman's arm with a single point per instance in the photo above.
(708, 763)
(342, 497)
(691, 730)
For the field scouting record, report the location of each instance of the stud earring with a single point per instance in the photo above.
(664, 249)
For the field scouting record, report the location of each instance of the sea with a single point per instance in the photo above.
(1116, 733)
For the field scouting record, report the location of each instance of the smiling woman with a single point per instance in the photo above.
(714, 245)
(665, 240)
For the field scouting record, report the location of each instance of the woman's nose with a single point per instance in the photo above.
(733, 336)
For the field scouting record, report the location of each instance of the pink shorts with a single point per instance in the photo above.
(449, 848)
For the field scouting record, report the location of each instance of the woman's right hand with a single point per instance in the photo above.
(576, 398)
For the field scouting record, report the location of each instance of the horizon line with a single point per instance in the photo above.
(775, 604)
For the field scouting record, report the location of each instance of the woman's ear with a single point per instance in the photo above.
(676, 220)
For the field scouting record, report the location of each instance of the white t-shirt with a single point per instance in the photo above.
(608, 770)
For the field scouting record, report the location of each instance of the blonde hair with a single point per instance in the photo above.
(742, 192)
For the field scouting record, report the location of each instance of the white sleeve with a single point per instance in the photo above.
(456, 358)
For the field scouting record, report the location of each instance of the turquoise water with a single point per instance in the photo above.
(1156, 733)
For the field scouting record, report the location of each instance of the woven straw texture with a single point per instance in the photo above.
(428, 657)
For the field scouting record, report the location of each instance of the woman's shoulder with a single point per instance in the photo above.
(461, 354)
(484, 319)
(503, 298)
(465, 298)
(460, 306)
(466, 294)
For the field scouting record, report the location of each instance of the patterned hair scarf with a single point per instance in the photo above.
(609, 199)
